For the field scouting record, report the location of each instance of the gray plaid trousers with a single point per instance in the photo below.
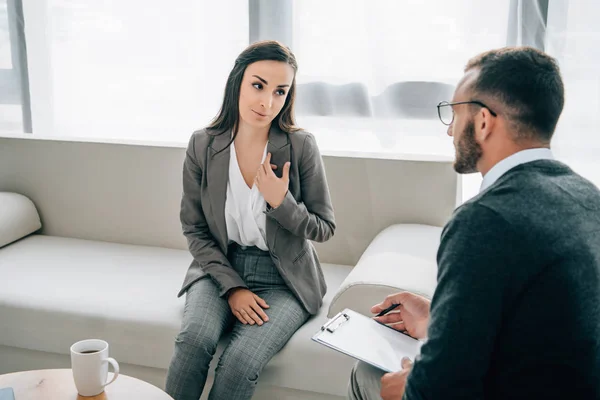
(207, 317)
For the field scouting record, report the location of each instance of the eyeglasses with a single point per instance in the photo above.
(446, 112)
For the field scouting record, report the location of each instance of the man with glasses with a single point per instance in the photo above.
(516, 311)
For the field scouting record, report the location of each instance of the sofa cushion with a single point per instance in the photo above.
(18, 217)
(56, 291)
(402, 257)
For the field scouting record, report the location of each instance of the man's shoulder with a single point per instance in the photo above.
(537, 183)
(528, 200)
(476, 215)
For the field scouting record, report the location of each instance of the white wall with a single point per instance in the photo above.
(131, 194)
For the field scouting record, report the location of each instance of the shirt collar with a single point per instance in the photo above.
(521, 157)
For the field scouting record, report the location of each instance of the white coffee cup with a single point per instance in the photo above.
(89, 361)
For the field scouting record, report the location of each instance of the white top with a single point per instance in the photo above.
(244, 208)
(521, 157)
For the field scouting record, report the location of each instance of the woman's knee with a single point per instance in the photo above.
(199, 337)
(204, 318)
(243, 365)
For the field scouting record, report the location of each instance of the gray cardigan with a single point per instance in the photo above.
(305, 214)
(516, 313)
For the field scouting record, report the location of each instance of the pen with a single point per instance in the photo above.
(387, 310)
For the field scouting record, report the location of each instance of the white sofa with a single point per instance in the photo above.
(55, 291)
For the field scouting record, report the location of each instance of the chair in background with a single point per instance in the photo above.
(324, 99)
(411, 99)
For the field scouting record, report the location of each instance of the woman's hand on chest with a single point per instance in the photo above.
(270, 186)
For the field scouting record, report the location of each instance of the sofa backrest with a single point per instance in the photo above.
(131, 193)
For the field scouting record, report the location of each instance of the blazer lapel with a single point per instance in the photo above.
(281, 152)
(217, 178)
(280, 149)
(218, 173)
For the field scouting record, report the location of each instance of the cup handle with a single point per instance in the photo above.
(115, 366)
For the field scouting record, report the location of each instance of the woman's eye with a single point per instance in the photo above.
(281, 92)
(258, 86)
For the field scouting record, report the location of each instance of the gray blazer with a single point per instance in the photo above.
(305, 214)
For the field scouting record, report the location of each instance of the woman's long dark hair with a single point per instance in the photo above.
(228, 118)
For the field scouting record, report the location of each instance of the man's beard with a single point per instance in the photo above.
(468, 151)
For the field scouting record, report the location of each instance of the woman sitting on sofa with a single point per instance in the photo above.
(254, 195)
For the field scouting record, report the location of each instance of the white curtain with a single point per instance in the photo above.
(387, 41)
(378, 44)
(153, 70)
(573, 37)
(130, 69)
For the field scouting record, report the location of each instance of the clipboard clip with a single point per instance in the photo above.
(335, 323)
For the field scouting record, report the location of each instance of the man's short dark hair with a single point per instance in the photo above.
(527, 82)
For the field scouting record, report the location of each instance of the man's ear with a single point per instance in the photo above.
(484, 124)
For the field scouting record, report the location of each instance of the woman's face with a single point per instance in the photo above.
(263, 91)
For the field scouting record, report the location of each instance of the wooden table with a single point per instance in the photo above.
(57, 384)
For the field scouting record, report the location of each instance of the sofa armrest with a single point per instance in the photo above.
(401, 258)
(18, 217)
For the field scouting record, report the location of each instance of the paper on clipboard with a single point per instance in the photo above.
(367, 340)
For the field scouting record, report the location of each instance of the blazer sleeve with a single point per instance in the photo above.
(313, 217)
(201, 243)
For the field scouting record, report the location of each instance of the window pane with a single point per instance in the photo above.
(10, 109)
(387, 41)
(399, 59)
(5, 59)
(139, 69)
(573, 37)
(11, 118)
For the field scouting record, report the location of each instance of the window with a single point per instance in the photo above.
(135, 69)
(5, 60)
(573, 37)
(383, 42)
(11, 101)
(370, 72)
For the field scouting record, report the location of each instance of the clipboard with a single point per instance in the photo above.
(367, 340)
